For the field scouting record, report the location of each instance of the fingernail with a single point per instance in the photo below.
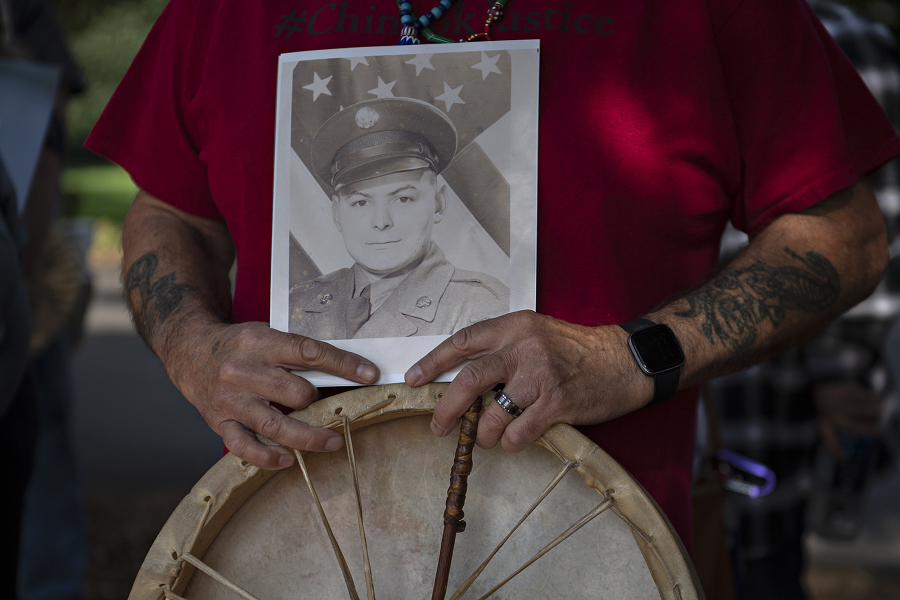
(414, 375)
(286, 460)
(437, 429)
(334, 443)
(367, 372)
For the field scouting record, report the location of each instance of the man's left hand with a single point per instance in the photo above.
(555, 371)
(802, 270)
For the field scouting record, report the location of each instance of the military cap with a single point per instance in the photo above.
(382, 136)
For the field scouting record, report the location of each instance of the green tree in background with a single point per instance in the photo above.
(105, 36)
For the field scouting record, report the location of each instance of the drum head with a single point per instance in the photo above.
(261, 530)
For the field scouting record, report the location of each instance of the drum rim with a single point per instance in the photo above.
(231, 481)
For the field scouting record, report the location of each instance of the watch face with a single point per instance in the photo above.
(657, 349)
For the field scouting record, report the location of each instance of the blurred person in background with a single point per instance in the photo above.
(53, 550)
(18, 404)
(824, 398)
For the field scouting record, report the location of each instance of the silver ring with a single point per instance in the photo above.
(508, 405)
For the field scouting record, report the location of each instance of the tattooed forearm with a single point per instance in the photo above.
(158, 299)
(739, 299)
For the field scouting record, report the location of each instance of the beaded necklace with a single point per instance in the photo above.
(412, 26)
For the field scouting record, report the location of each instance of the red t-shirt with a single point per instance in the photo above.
(659, 121)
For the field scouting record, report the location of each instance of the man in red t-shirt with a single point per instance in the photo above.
(659, 122)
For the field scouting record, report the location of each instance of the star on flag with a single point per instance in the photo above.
(450, 96)
(422, 61)
(487, 66)
(357, 60)
(319, 86)
(384, 89)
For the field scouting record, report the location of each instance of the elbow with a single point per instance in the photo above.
(871, 261)
(857, 226)
(879, 263)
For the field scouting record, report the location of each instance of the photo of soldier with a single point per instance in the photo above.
(381, 159)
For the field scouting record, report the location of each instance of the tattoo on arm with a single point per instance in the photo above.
(159, 299)
(739, 299)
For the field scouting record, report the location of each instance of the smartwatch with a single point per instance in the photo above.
(658, 354)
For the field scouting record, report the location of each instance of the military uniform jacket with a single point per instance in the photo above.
(435, 298)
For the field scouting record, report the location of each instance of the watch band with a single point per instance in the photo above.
(665, 384)
(637, 325)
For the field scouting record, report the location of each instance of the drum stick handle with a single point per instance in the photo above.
(456, 497)
(443, 571)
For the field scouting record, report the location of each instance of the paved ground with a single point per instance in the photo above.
(141, 447)
(133, 429)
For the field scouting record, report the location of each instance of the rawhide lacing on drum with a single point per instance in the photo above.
(568, 466)
(196, 562)
(345, 570)
(647, 537)
(199, 564)
(367, 566)
(339, 420)
(600, 508)
(208, 502)
(170, 595)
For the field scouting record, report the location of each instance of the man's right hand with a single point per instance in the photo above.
(245, 370)
(176, 282)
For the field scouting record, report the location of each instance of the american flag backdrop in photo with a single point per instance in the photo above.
(471, 88)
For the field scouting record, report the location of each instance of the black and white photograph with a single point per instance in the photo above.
(405, 195)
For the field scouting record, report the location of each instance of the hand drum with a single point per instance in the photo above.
(246, 532)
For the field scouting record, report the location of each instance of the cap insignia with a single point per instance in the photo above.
(366, 117)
